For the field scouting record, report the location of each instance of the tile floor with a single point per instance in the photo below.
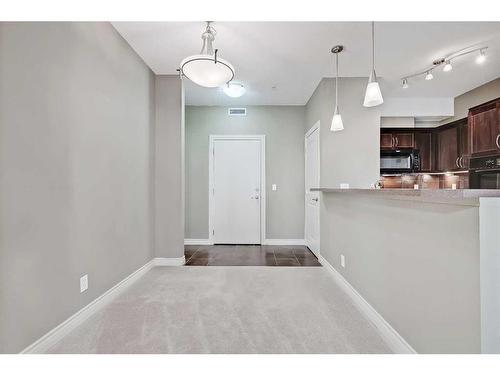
(249, 255)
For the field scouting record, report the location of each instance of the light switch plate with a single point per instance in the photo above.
(84, 283)
(274, 187)
(342, 260)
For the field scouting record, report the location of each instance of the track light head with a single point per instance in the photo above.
(429, 75)
(404, 83)
(482, 57)
(447, 66)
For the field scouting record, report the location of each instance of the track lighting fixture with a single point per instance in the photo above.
(446, 62)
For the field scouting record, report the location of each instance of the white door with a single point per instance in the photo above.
(236, 191)
(312, 229)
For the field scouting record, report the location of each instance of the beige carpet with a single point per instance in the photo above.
(227, 310)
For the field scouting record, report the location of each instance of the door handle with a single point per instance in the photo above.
(315, 199)
(255, 197)
(496, 140)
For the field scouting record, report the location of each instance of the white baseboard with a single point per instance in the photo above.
(169, 261)
(53, 336)
(197, 241)
(285, 242)
(392, 338)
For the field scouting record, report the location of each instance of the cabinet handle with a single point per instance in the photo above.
(456, 162)
(496, 140)
(460, 161)
(392, 141)
(397, 141)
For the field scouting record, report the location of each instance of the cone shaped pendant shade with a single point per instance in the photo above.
(373, 95)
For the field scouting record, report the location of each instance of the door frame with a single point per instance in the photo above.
(211, 202)
(315, 127)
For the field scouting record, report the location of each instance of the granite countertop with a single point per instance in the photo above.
(447, 196)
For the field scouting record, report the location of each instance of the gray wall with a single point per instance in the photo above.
(416, 263)
(479, 95)
(76, 113)
(284, 130)
(351, 155)
(169, 174)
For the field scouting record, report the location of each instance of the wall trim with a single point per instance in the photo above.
(392, 338)
(54, 335)
(285, 241)
(169, 261)
(197, 241)
(45, 342)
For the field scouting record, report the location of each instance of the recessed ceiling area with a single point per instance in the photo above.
(281, 63)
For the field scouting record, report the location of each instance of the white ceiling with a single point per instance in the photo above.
(294, 56)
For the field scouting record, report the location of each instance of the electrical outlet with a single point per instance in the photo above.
(274, 187)
(344, 186)
(342, 260)
(84, 283)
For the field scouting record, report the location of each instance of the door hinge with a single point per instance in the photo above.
(213, 232)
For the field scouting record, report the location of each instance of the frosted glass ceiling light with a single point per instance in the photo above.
(207, 69)
(373, 95)
(337, 123)
(234, 90)
(481, 58)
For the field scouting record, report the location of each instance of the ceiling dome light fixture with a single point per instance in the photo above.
(447, 66)
(207, 69)
(482, 57)
(337, 123)
(373, 95)
(427, 72)
(234, 90)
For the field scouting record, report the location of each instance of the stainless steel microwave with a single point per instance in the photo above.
(399, 161)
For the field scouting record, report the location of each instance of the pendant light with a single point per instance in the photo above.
(373, 95)
(337, 123)
(207, 69)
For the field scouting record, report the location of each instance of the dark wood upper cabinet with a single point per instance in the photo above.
(484, 128)
(386, 141)
(403, 140)
(396, 139)
(423, 143)
(447, 149)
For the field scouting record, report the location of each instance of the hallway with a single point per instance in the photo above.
(228, 310)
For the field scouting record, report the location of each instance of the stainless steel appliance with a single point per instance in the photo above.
(484, 172)
(399, 161)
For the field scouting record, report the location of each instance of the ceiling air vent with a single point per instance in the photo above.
(237, 112)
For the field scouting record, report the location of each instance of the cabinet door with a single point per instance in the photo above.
(403, 140)
(423, 143)
(463, 145)
(484, 131)
(386, 141)
(447, 149)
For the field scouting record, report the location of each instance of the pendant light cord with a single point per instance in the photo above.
(373, 45)
(336, 80)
